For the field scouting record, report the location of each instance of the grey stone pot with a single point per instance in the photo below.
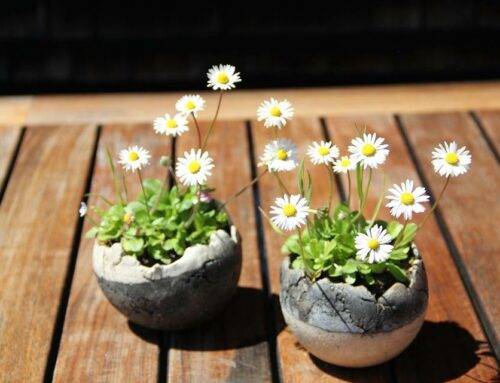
(347, 325)
(176, 296)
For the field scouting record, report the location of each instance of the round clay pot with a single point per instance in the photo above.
(176, 296)
(348, 325)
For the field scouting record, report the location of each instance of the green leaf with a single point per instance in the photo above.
(394, 228)
(92, 232)
(350, 278)
(350, 267)
(408, 234)
(400, 253)
(133, 245)
(397, 272)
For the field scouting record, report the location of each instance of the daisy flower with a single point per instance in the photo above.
(344, 164)
(369, 150)
(190, 103)
(134, 158)
(275, 113)
(222, 77)
(280, 156)
(194, 168)
(374, 245)
(290, 212)
(322, 153)
(448, 160)
(83, 209)
(405, 200)
(128, 218)
(171, 126)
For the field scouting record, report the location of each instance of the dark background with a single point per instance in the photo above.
(50, 46)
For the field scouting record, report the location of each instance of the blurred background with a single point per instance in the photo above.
(60, 46)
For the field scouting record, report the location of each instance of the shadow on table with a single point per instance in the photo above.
(442, 351)
(242, 323)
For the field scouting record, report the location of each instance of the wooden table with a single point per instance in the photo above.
(56, 325)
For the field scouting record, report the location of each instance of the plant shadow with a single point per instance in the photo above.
(442, 351)
(242, 323)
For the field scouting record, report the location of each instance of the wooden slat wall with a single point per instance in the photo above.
(9, 140)
(233, 346)
(98, 344)
(295, 362)
(38, 219)
(490, 122)
(470, 208)
(451, 343)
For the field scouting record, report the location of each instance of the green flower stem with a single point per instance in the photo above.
(115, 179)
(364, 195)
(379, 203)
(282, 185)
(359, 183)
(196, 206)
(213, 121)
(242, 190)
(348, 189)
(435, 204)
(301, 244)
(329, 169)
(400, 235)
(197, 129)
(92, 220)
(275, 133)
(125, 188)
(143, 192)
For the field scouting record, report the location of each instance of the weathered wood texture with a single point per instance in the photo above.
(98, 344)
(242, 104)
(233, 346)
(451, 344)
(470, 207)
(490, 122)
(38, 219)
(9, 139)
(297, 365)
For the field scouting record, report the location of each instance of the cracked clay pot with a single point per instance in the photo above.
(179, 295)
(349, 326)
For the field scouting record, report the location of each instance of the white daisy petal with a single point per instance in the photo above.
(171, 126)
(374, 246)
(190, 103)
(370, 151)
(134, 158)
(344, 164)
(448, 161)
(322, 153)
(222, 77)
(279, 156)
(406, 201)
(83, 209)
(275, 113)
(194, 168)
(290, 212)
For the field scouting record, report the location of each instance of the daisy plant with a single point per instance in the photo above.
(159, 224)
(340, 242)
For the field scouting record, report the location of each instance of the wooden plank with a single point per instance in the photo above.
(451, 344)
(14, 110)
(490, 122)
(38, 220)
(296, 363)
(473, 227)
(9, 140)
(313, 102)
(232, 347)
(98, 344)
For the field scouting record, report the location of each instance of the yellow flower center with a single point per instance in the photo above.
(171, 124)
(407, 198)
(127, 218)
(282, 155)
(275, 111)
(190, 105)
(368, 150)
(133, 156)
(451, 158)
(345, 162)
(323, 151)
(222, 78)
(194, 167)
(289, 210)
(373, 244)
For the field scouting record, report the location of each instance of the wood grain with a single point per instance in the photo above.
(233, 346)
(38, 219)
(9, 139)
(297, 365)
(451, 344)
(490, 121)
(470, 207)
(242, 104)
(14, 109)
(98, 343)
